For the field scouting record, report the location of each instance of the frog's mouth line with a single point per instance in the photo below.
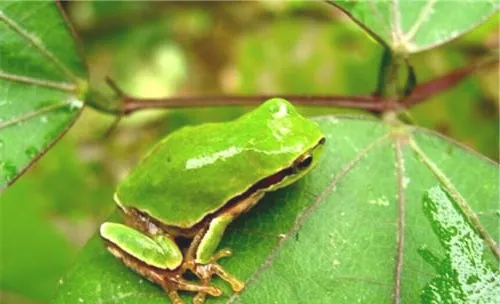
(261, 185)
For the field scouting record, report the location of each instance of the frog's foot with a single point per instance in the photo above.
(205, 272)
(172, 285)
(171, 281)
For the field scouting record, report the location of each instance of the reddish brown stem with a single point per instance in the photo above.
(370, 103)
(438, 85)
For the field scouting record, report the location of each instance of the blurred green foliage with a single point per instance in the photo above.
(170, 48)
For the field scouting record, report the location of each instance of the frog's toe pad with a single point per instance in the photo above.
(221, 254)
(217, 269)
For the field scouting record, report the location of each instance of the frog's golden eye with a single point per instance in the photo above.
(303, 162)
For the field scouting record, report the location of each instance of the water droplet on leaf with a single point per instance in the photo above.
(463, 275)
(31, 152)
(9, 170)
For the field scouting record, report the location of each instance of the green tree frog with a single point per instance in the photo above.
(195, 182)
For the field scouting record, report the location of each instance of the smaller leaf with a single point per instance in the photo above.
(409, 26)
(33, 253)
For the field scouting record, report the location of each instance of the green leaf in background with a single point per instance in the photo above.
(320, 57)
(41, 83)
(410, 26)
(33, 254)
(335, 235)
(46, 216)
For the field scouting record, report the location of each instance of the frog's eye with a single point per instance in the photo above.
(303, 162)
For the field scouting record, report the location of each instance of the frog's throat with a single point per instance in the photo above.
(146, 223)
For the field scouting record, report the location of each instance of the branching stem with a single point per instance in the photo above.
(375, 103)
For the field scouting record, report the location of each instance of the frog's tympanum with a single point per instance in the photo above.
(195, 182)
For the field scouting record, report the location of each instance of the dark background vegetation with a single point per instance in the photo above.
(166, 48)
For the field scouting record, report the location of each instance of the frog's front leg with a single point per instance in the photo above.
(202, 255)
(157, 258)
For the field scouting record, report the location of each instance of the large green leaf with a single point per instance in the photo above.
(411, 26)
(355, 230)
(41, 82)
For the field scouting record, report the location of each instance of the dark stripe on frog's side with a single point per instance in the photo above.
(144, 222)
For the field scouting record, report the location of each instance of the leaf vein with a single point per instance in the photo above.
(396, 22)
(400, 172)
(33, 114)
(457, 197)
(418, 23)
(38, 82)
(381, 17)
(37, 44)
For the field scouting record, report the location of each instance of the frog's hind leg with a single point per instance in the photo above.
(128, 245)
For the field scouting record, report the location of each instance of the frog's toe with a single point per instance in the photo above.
(173, 285)
(215, 268)
(174, 296)
(199, 298)
(206, 271)
(221, 254)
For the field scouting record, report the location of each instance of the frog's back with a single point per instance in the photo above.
(196, 170)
